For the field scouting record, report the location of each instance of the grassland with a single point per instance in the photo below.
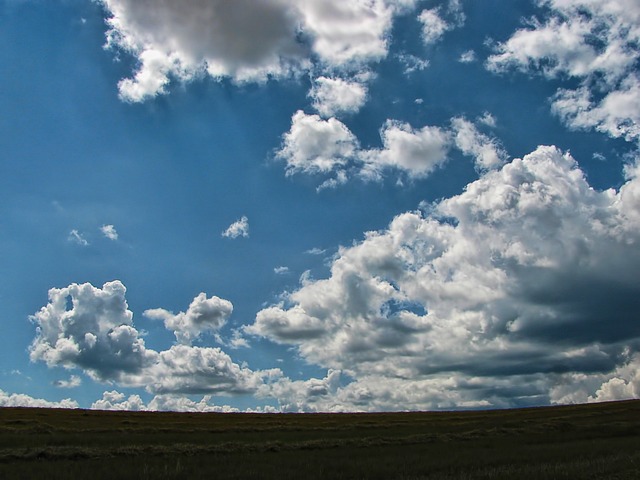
(585, 441)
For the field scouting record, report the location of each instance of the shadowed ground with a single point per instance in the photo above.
(585, 441)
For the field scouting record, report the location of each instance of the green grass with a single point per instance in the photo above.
(586, 441)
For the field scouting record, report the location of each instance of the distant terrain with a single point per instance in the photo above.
(583, 441)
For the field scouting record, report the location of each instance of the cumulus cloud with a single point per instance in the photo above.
(487, 151)
(204, 314)
(109, 231)
(417, 152)
(22, 400)
(436, 22)
(593, 41)
(92, 329)
(332, 96)
(114, 400)
(244, 40)
(495, 296)
(314, 145)
(433, 25)
(239, 228)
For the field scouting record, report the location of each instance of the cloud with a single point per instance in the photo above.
(434, 26)
(204, 314)
(21, 400)
(92, 329)
(412, 63)
(77, 238)
(281, 270)
(114, 400)
(417, 152)
(487, 151)
(526, 277)
(109, 231)
(592, 41)
(244, 40)
(332, 96)
(237, 229)
(314, 145)
(73, 382)
(467, 57)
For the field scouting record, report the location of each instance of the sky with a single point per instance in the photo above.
(319, 205)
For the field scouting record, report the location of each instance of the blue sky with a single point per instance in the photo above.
(319, 206)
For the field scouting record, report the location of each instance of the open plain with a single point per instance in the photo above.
(582, 441)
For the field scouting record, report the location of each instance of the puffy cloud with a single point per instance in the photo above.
(434, 26)
(22, 400)
(281, 270)
(109, 231)
(239, 228)
(486, 151)
(114, 400)
(186, 369)
(204, 314)
(244, 40)
(314, 145)
(328, 147)
(332, 96)
(594, 41)
(418, 152)
(92, 329)
(499, 293)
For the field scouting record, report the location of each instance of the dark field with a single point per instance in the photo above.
(586, 441)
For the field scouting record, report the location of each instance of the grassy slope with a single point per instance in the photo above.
(585, 441)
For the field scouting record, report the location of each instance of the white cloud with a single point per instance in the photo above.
(412, 63)
(92, 329)
(486, 151)
(204, 314)
(73, 382)
(314, 145)
(114, 400)
(237, 229)
(467, 57)
(244, 40)
(527, 276)
(417, 152)
(433, 25)
(593, 41)
(328, 147)
(332, 96)
(77, 238)
(22, 400)
(109, 231)
(281, 270)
